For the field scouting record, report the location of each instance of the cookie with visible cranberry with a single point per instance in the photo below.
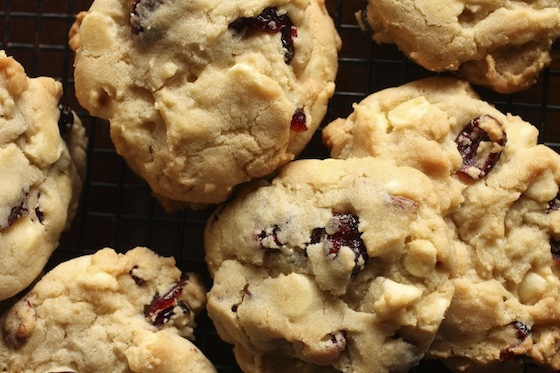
(501, 44)
(202, 97)
(107, 312)
(42, 168)
(337, 265)
(499, 189)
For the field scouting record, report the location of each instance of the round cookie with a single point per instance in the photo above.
(107, 312)
(337, 265)
(500, 192)
(42, 158)
(500, 44)
(204, 96)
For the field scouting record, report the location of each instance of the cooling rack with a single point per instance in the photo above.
(117, 209)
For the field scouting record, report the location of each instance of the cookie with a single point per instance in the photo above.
(499, 191)
(43, 159)
(107, 312)
(500, 44)
(202, 97)
(337, 265)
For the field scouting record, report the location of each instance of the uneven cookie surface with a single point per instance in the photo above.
(501, 44)
(203, 96)
(338, 265)
(42, 167)
(106, 312)
(500, 192)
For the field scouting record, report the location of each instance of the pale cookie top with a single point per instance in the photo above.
(503, 44)
(107, 312)
(499, 189)
(205, 95)
(337, 263)
(42, 168)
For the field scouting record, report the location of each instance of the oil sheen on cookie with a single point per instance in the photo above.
(107, 312)
(500, 192)
(501, 44)
(336, 266)
(42, 167)
(204, 96)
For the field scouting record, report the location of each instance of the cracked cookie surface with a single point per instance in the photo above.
(500, 192)
(107, 312)
(337, 265)
(43, 159)
(204, 96)
(501, 44)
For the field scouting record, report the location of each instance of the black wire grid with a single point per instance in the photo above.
(117, 209)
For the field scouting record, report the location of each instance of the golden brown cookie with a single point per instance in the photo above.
(500, 44)
(42, 168)
(202, 97)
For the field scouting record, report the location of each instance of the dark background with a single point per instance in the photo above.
(117, 209)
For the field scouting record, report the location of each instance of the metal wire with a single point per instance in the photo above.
(117, 209)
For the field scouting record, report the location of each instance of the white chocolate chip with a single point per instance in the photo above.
(408, 113)
(544, 188)
(532, 288)
(420, 259)
(396, 296)
(293, 294)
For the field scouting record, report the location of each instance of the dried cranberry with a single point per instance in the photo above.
(268, 238)
(511, 352)
(555, 250)
(342, 231)
(138, 280)
(469, 143)
(162, 308)
(66, 119)
(299, 121)
(271, 22)
(17, 212)
(523, 331)
(40, 214)
(554, 204)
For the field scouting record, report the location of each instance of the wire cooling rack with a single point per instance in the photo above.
(117, 209)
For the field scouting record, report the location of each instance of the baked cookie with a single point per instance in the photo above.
(107, 312)
(204, 96)
(42, 167)
(499, 189)
(337, 265)
(500, 44)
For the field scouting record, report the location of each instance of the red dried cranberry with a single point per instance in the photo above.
(469, 142)
(299, 121)
(271, 22)
(16, 213)
(162, 308)
(268, 238)
(342, 231)
(522, 332)
(66, 119)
